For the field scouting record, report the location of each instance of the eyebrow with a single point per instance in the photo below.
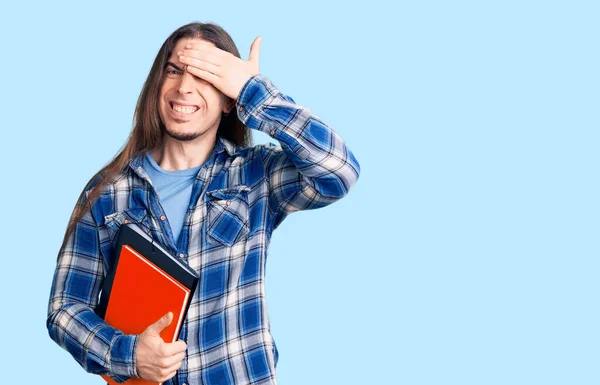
(173, 65)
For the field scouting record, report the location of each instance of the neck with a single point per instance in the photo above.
(174, 154)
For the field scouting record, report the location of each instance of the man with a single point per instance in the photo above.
(188, 177)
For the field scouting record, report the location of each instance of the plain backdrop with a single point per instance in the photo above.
(466, 254)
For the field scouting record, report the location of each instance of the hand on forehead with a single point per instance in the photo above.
(225, 71)
(195, 43)
(182, 44)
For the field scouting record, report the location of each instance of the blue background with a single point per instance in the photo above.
(466, 254)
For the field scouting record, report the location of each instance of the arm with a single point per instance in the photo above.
(313, 167)
(72, 324)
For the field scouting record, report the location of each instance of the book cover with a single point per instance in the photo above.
(145, 283)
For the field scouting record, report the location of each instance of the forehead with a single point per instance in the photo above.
(181, 43)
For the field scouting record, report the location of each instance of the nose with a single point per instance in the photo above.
(186, 84)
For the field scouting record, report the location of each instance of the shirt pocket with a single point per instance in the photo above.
(137, 215)
(227, 215)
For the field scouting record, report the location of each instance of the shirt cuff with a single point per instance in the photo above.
(122, 356)
(255, 94)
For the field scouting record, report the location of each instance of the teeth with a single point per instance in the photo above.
(184, 109)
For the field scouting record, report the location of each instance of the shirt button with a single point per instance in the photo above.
(162, 217)
(272, 132)
(241, 108)
(126, 221)
(228, 203)
(181, 255)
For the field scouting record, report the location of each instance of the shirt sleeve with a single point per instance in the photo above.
(312, 167)
(72, 322)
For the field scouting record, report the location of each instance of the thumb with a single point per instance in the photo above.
(254, 49)
(161, 324)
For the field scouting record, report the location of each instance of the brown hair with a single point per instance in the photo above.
(148, 128)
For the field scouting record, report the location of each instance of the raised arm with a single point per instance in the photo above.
(312, 167)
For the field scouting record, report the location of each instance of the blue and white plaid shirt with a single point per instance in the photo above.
(239, 197)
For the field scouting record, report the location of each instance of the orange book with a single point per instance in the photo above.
(145, 283)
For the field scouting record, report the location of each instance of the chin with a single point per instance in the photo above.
(183, 135)
(186, 135)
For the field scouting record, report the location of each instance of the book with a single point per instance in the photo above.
(145, 283)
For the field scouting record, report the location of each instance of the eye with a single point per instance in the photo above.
(173, 72)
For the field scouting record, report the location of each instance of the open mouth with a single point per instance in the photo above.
(182, 109)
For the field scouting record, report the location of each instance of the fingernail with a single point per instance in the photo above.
(179, 52)
(188, 46)
(181, 58)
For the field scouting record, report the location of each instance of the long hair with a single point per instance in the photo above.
(148, 128)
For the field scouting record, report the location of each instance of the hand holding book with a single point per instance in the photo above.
(156, 360)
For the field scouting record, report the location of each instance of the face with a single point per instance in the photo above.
(189, 107)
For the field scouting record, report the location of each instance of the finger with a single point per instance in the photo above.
(202, 74)
(174, 348)
(205, 47)
(161, 323)
(173, 360)
(168, 373)
(203, 65)
(169, 376)
(205, 56)
(173, 368)
(255, 49)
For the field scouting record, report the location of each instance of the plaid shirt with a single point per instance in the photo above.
(239, 197)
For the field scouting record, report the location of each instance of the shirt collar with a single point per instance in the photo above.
(221, 145)
(224, 144)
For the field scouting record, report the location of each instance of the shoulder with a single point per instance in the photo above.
(105, 183)
(258, 150)
(102, 190)
(257, 156)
